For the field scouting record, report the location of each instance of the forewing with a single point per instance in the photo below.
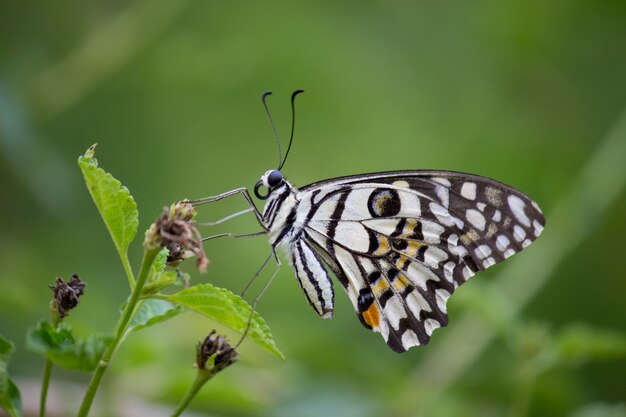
(401, 243)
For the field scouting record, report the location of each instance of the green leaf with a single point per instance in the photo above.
(159, 277)
(60, 346)
(159, 263)
(152, 312)
(114, 202)
(163, 280)
(228, 309)
(10, 399)
(579, 343)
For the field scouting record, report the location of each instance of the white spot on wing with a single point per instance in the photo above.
(517, 208)
(483, 251)
(430, 325)
(538, 227)
(448, 270)
(459, 251)
(409, 338)
(536, 206)
(417, 303)
(443, 181)
(432, 232)
(467, 272)
(502, 242)
(394, 311)
(410, 204)
(418, 274)
(508, 253)
(433, 256)
(476, 218)
(400, 183)
(468, 190)
(442, 214)
(444, 195)
(488, 262)
(519, 233)
(442, 296)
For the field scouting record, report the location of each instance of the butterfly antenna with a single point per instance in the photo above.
(293, 124)
(267, 110)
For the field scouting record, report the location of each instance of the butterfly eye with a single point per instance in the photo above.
(272, 178)
(269, 180)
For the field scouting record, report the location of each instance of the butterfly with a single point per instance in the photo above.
(398, 242)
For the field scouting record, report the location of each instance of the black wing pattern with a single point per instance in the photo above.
(401, 242)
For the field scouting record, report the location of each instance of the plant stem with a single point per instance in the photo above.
(148, 258)
(47, 372)
(201, 378)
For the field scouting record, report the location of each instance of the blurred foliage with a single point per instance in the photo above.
(59, 345)
(529, 93)
(10, 398)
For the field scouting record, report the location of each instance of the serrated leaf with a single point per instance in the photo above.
(114, 202)
(153, 312)
(59, 345)
(228, 309)
(159, 277)
(164, 279)
(10, 399)
(159, 263)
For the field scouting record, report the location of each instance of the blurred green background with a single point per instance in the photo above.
(531, 93)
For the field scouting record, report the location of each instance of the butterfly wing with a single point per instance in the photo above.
(401, 242)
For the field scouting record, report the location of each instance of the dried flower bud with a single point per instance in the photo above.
(176, 230)
(215, 354)
(177, 253)
(66, 294)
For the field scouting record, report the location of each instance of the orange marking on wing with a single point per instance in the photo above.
(371, 315)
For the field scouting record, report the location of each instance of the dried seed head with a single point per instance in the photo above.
(176, 230)
(214, 353)
(66, 294)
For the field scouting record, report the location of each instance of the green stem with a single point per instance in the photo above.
(47, 373)
(127, 315)
(201, 378)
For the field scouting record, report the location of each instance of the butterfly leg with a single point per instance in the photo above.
(258, 297)
(244, 193)
(257, 273)
(222, 220)
(204, 239)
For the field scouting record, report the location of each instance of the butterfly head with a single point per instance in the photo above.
(273, 178)
(270, 180)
